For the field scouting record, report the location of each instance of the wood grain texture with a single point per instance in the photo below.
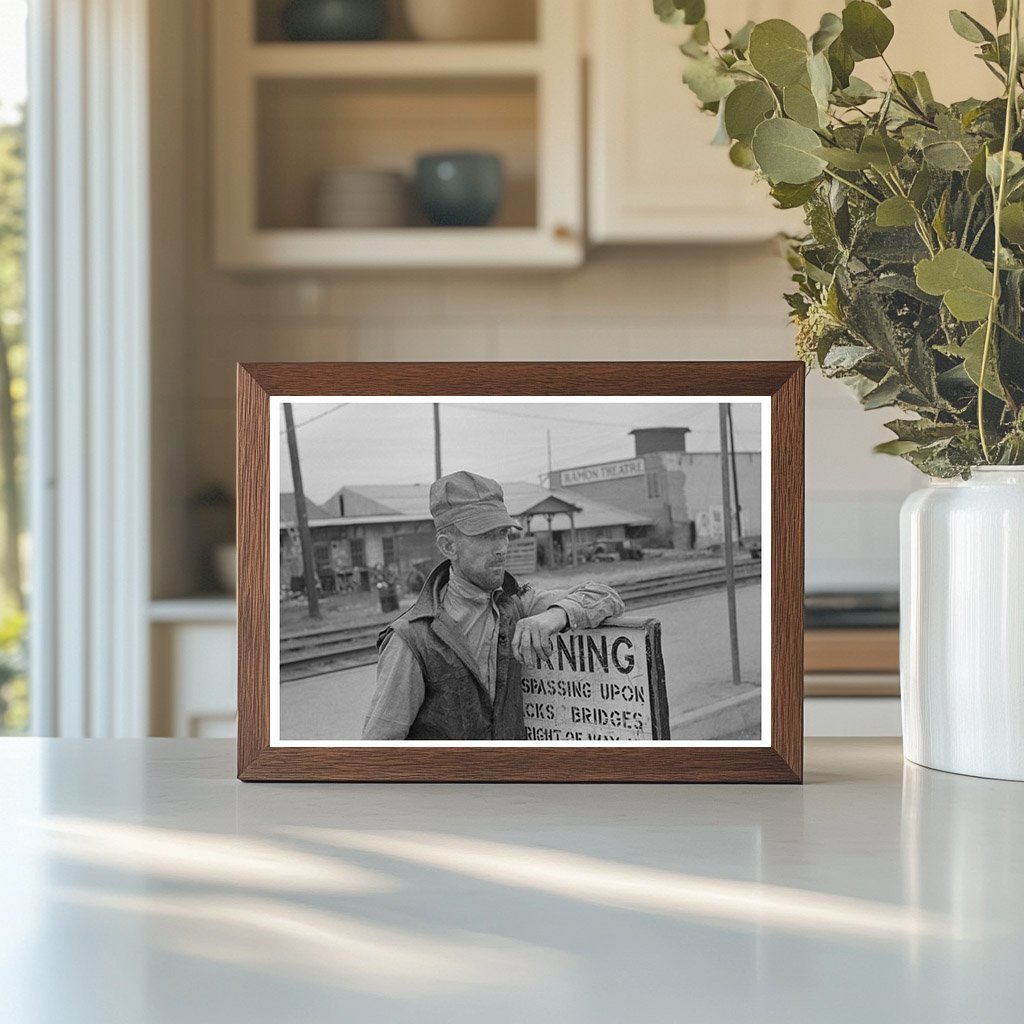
(782, 762)
(252, 486)
(787, 567)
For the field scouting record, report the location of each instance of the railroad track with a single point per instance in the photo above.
(335, 648)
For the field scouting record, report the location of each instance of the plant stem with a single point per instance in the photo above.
(769, 87)
(855, 187)
(970, 216)
(993, 309)
(922, 225)
(981, 231)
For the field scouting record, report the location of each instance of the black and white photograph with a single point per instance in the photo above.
(489, 570)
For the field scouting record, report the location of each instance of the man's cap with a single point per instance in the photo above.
(473, 503)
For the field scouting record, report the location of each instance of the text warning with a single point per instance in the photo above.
(606, 683)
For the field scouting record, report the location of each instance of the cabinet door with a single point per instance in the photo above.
(654, 175)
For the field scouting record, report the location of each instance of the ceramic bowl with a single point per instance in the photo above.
(360, 197)
(334, 20)
(470, 20)
(461, 189)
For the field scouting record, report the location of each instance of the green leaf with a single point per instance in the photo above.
(701, 33)
(896, 212)
(946, 156)
(885, 394)
(668, 11)
(1012, 224)
(921, 186)
(924, 88)
(800, 105)
(968, 28)
(866, 29)
(971, 352)
(906, 89)
(739, 41)
(858, 91)
(820, 76)
(785, 152)
(778, 50)
(842, 61)
(742, 155)
(994, 167)
(694, 11)
(830, 29)
(844, 159)
(745, 108)
(789, 197)
(939, 220)
(963, 281)
(883, 153)
(676, 12)
(895, 447)
(976, 174)
(923, 431)
(999, 6)
(707, 80)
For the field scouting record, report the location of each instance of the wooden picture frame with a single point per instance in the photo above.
(778, 758)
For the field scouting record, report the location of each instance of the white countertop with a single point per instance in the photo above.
(143, 884)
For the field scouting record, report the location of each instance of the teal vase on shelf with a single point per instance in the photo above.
(334, 20)
(460, 189)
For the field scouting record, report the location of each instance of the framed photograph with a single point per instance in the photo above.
(520, 572)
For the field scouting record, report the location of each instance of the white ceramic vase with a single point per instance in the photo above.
(962, 624)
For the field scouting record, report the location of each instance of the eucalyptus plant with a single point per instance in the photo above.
(909, 280)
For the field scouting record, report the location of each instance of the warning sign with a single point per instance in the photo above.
(606, 683)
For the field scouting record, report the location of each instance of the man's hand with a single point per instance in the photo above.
(532, 638)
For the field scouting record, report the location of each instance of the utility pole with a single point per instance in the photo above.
(730, 568)
(437, 440)
(551, 485)
(305, 538)
(735, 481)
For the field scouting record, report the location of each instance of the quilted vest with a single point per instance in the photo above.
(456, 705)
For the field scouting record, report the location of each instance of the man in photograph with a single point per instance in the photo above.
(450, 667)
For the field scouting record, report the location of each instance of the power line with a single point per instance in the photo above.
(500, 410)
(318, 416)
(497, 410)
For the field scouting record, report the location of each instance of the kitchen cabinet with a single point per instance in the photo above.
(192, 648)
(286, 113)
(653, 175)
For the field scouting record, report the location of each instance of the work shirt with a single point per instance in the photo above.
(400, 685)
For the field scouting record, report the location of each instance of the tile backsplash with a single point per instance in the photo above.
(715, 302)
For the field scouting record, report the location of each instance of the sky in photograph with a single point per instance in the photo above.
(348, 444)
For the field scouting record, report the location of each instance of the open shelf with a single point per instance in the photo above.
(287, 113)
(308, 127)
(393, 60)
(520, 17)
